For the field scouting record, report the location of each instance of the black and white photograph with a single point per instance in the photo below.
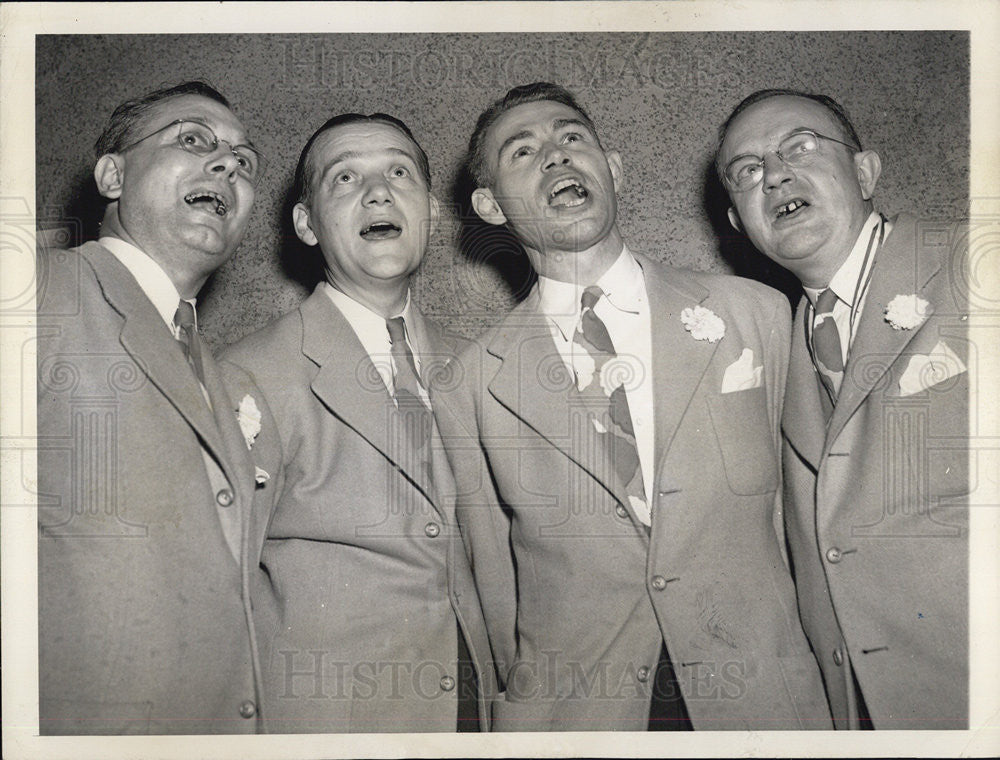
(500, 379)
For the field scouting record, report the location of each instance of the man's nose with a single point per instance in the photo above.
(554, 155)
(775, 171)
(224, 161)
(377, 192)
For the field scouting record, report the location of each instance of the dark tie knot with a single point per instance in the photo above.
(590, 297)
(397, 329)
(184, 316)
(826, 301)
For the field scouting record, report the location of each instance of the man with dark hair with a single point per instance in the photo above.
(615, 443)
(876, 412)
(145, 480)
(366, 610)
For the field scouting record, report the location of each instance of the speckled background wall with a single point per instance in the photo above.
(658, 98)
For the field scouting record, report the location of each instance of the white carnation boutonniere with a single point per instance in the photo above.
(907, 312)
(703, 324)
(248, 415)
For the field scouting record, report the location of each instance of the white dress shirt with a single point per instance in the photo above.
(374, 335)
(851, 281)
(153, 281)
(625, 313)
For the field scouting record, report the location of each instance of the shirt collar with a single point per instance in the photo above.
(368, 325)
(845, 281)
(153, 281)
(622, 283)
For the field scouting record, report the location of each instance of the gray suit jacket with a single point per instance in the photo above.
(362, 574)
(144, 497)
(578, 596)
(876, 513)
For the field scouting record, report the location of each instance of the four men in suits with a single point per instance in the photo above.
(623, 588)
(145, 480)
(367, 615)
(306, 571)
(876, 413)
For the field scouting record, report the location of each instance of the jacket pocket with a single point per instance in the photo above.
(742, 429)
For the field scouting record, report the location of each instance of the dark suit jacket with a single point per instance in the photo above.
(143, 606)
(876, 513)
(578, 596)
(362, 572)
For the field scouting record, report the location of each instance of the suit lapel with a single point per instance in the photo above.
(147, 339)
(877, 345)
(348, 383)
(679, 361)
(535, 385)
(802, 419)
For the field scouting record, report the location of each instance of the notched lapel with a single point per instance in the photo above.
(679, 360)
(348, 383)
(534, 384)
(877, 346)
(147, 339)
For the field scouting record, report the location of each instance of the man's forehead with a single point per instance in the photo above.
(362, 138)
(776, 117)
(537, 114)
(195, 108)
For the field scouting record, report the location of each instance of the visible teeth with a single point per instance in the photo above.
(790, 207)
(220, 204)
(563, 184)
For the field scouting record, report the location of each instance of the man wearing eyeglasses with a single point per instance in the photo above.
(876, 413)
(145, 480)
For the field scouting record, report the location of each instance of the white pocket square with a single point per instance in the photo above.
(741, 375)
(925, 370)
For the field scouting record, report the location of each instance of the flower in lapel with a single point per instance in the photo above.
(248, 415)
(703, 324)
(907, 312)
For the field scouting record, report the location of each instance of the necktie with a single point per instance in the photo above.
(187, 336)
(827, 353)
(616, 428)
(415, 416)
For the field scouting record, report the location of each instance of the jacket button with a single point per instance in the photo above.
(224, 497)
(659, 582)
(248, 709)
(642, 674)
(447, 683)
(838, 657)
(834, 555)
(432, 529)
(621, 511)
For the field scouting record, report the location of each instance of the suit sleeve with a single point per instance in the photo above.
(484, 523)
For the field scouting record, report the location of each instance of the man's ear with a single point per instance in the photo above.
(435, 213)
(109, 173)
(869, 168)
(617, 171)
(486, 206)
(734, 219)
(300, 220)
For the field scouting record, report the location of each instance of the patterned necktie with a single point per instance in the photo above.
(615, 423)
(187, 336)
(827, 352)
(414, 415)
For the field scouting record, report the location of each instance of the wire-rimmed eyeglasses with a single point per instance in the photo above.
(798, 149)
(200, 139)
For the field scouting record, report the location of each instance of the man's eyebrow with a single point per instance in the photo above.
(570, 122)
(523, 134)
